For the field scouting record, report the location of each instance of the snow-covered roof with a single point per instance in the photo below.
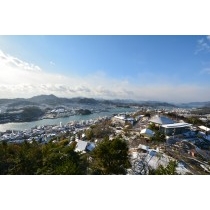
(161, 120)
(147, 132)
(130, 119)
(204, 128)
(120, 117)
(81, 145)
(144, 147)
(176, 125)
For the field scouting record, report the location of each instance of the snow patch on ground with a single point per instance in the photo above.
(155, 159)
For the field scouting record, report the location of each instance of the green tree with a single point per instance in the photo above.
(26, 160)
(158, 136)
(110, 157)
(153, 127)
(33, 158)
(194, 121)
(4, 158)
(60, 160)
(89, 133)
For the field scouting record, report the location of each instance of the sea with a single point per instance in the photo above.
(64, 120)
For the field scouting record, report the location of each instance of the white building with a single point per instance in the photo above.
(175, 128)
(205, 129)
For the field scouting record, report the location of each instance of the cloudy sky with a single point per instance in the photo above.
(165, 68)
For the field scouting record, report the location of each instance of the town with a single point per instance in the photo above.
(155, 137)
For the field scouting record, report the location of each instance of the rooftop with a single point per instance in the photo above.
(204, 128)
(176, 125)
(161, 120)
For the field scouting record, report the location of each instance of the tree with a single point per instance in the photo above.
(158, 136)
(62, 160)
(147, 114)
(110, 157)
(4, 155)
(89, 133)
(26, 160)
(153, 127)
(194, 121)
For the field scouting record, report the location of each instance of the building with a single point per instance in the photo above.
(175, 128)
(160, 120)
(205, 129)
(81, 146)
(147, 133)
(122, 119)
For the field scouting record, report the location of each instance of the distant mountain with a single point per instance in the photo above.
(208, 104)
(7, 101)
(53, 100)
(83, 100)
(195, 104)
(43, 97)
(137, 103)
(157, 104)
(22, 103)
(47, 99)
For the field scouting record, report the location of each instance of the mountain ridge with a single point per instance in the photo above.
(51, 99)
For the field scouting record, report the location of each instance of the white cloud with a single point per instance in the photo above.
(203, 45)
(23, 79)
(17, 63)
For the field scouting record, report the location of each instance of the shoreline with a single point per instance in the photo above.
(64, 120)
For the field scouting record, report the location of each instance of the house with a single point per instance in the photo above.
(147, 133)
(83, 146)
(129, 120)
(205, 129)
(122, 119)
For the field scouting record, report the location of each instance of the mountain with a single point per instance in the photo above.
(44, 99)
(7, 101)
(195, 104)
(53, 100)
(83, 100)
(158, 104)
(22, 103)
(207, 104)
(47, 100)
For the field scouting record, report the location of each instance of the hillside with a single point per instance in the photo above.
(53, 100)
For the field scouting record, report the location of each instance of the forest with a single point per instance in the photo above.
(59, 158)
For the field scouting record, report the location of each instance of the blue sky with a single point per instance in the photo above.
(165, 68)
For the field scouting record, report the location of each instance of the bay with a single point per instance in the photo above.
(64, 120)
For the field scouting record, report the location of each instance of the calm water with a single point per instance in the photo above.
(28, 125)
